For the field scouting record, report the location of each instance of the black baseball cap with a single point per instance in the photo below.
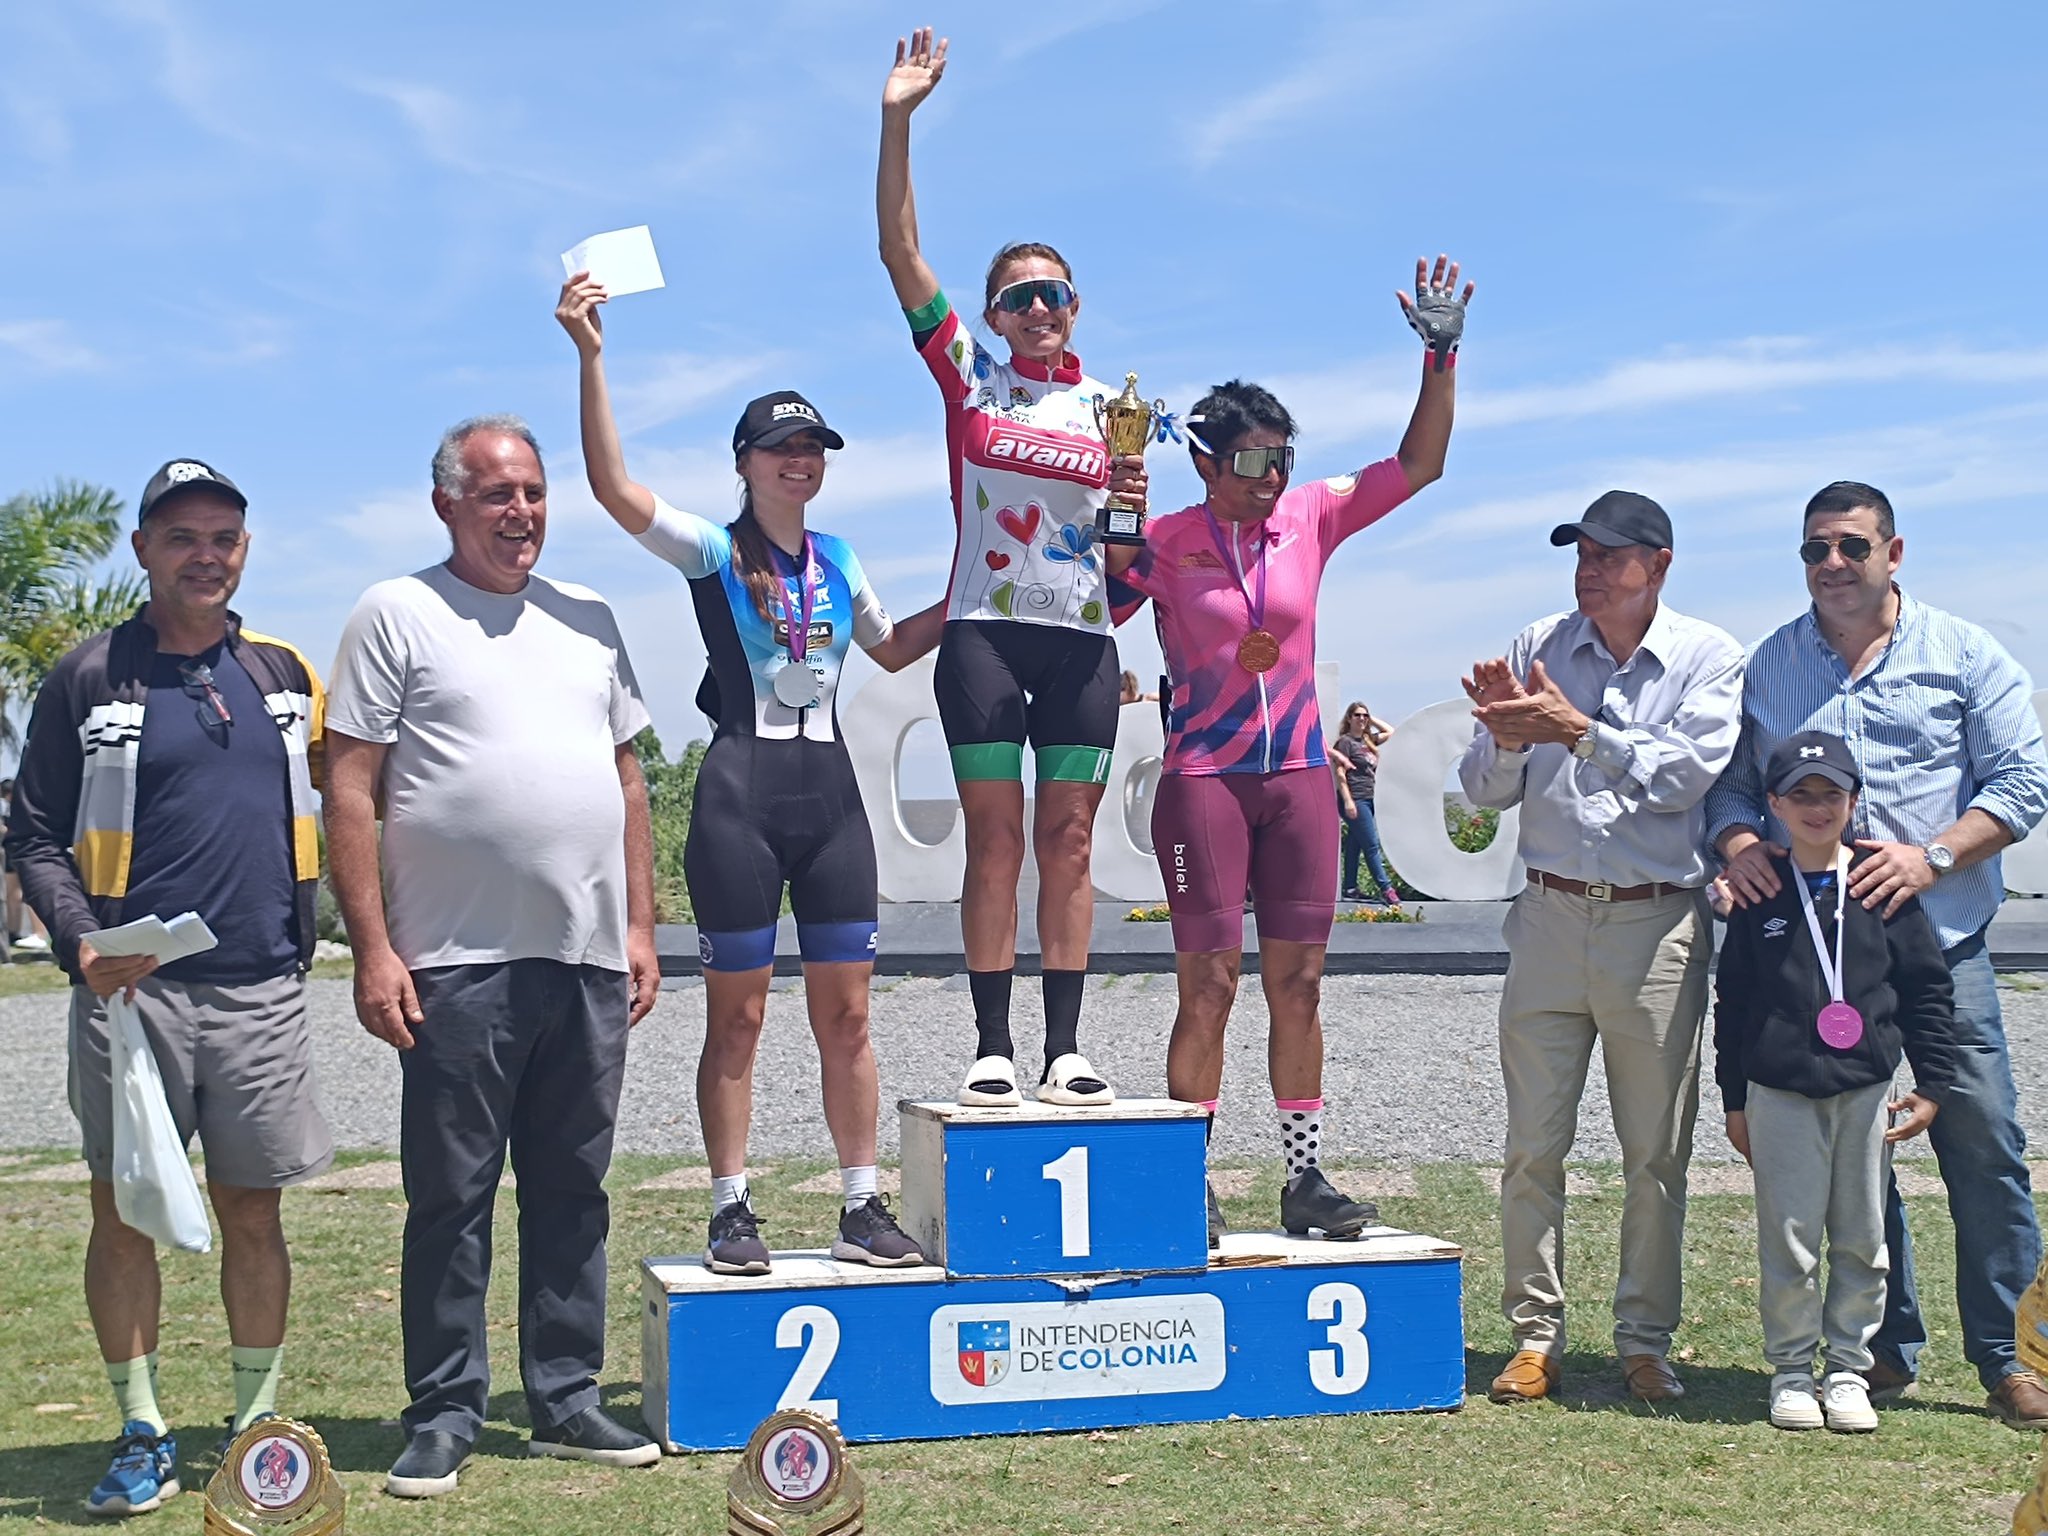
(778, 417)
(179, 476)
(1809, 755)
(1618, 518)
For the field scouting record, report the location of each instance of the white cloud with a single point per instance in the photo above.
(48, 345)
(674, 384)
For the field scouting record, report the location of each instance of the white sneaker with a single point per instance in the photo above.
(1846, 1400)
(35, 943)
(1794, 1403)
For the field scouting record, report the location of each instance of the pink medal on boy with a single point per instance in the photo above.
(1840, 1025)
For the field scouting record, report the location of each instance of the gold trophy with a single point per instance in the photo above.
(793, 1480)
(1126, 427)
(275, 1480)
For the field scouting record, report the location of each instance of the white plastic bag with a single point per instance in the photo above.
(154, 1189)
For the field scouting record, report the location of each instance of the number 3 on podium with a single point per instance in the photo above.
(1340, 1371)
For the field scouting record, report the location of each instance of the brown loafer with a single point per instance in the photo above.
(2021, 1401)
(1530, 1375)
(1887, 1383)
(1650, 1379)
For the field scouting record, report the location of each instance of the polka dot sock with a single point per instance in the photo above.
(1301, 1132)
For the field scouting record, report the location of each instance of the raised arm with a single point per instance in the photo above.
(604, 461)
(1437, 313)
(919, 64)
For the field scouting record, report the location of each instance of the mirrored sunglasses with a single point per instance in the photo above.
(1252, 463)
(1854, 547)
(1017, 298)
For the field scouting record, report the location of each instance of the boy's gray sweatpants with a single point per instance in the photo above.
(1820, 1166)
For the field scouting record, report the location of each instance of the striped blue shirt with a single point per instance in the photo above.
(1941, 723)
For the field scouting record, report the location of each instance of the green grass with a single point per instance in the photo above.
(1588, 1463)
(25, 976)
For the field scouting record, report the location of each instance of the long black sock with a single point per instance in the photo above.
(991, 991)
(1062, 1012)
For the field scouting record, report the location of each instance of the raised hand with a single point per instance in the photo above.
(918, 67)
(577, 311)
(1437, 312)
(1541, 714)
(1492, 682)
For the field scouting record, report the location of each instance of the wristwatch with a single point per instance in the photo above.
(1940, 859)
(1588, 740)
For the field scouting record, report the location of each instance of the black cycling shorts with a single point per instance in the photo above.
(1001, 683)
(770, 812)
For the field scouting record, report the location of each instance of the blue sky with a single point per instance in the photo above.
(1725, 253)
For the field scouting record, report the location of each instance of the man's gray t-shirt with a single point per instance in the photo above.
(504, 823)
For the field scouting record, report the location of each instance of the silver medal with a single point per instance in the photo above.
(797, 686)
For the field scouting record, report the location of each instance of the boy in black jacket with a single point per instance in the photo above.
(1816, 996)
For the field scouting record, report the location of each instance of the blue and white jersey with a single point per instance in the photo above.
(746, 650)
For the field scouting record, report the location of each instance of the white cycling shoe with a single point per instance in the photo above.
(1070, 1080)
(991, 1083)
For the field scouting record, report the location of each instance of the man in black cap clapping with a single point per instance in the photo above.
(1606, 725)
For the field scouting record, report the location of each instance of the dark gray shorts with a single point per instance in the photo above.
(237, 1064)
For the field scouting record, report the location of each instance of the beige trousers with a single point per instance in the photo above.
(1633, 976)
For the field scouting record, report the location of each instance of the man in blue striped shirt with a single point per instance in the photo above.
(1941, 720)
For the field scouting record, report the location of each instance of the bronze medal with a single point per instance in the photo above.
(1258, 651)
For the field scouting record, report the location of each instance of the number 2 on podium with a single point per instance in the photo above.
(817, 1358)
(1070, 1171)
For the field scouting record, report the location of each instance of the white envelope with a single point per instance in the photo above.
(622, 259)
(185, 934)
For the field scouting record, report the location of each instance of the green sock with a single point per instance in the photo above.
(134, 1383)
(256, 1374)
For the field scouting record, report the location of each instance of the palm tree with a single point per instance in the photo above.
(50, 542)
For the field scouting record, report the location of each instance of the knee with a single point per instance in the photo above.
(1294, 994)
(732, 1039)
(113, 1236)
(1205, 1002)
(842, 1031)
(247, 1215)
(1065, 839)
(995, 844)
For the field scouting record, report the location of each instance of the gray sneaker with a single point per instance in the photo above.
(1217, 1225)
(868, 1234)
(1309, 1202)
(736, 1247)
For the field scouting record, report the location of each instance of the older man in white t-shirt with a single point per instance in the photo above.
(505, 954)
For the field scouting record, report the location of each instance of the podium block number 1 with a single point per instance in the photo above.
(1340, 1371)
(1070, 1171)
(818, 1355)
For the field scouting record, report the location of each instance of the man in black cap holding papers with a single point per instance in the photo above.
(170, 768)
(1606, 725)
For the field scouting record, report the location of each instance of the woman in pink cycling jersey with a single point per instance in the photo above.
(1028, 655)
(1244, 800)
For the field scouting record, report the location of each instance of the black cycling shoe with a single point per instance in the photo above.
(593, 1435)
(1217, 1225)
(428, 1465)
(736, 1247)
(220, 1451)
(1308, 1202)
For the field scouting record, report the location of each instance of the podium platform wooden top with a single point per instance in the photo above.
(809, 1268)
(1031, 1112)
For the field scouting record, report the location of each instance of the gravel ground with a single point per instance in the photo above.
(1412, 1074)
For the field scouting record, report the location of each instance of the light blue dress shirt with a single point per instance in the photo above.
(1942, 722)
(1665, 724)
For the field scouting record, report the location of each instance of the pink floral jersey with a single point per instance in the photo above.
(1225, 718)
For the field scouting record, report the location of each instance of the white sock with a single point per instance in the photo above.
(727, 1189)
(1301, 1132)
(856, 1185)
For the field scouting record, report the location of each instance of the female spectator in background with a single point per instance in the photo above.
(1355, 762)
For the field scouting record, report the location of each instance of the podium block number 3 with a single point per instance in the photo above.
(818, 1355)
(1340, 1371)
(1070, 1171)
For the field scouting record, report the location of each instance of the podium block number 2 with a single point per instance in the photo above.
(1070, 1171)
(1339, 1371)
(823, 1346)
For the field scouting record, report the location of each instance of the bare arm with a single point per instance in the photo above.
(910, 638)
(918, 68)
(1343, 784)
(1428, 439)
(604, 461)
(385, 1001)
(643, 966)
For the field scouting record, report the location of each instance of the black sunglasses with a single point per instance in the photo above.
(1854, 547)
(196, 678)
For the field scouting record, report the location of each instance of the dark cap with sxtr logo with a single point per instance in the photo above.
(181, 475)
(776, 418)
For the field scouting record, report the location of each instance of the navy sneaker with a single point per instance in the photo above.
(144, 1473)
(868, 1234)
(736, 1247)
(428, 1465)
(593, 1435)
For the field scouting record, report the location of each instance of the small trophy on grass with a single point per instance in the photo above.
(793, 1480)
(275, 1480)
